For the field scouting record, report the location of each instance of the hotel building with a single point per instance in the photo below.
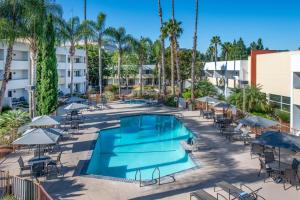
(20, 69)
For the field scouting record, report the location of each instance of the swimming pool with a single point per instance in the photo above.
(143, 143)
(135, 101)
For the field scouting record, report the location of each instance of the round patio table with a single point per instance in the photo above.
(39, 159)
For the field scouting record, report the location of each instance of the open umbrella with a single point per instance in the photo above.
(222, 105)
(42, 121)
(279, 140)
(258, 122)
(38, 136)
(208, 99)
(76, 106)
(75, 99)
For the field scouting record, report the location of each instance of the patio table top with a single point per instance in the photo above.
(39, 159)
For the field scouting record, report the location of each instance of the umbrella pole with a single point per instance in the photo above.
(279, 158)
(39, 146)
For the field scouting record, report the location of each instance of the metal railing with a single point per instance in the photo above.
(21, 189)
(140, 177)
(156, 169)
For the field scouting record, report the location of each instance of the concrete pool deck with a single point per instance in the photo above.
(220, 159)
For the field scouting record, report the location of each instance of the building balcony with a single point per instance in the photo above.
(62, 80)
(16, 84)
(16, 65)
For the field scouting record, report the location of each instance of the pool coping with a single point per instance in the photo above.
(195, 160)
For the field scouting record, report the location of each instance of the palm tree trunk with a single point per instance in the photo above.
(7, 67)
(216, 58)
(162, 42)
(33, 55)
(158, 77)
(172, 68)
(100, 66)
(194, 54)
(119, 72)
(141, 79)
(177, 66)
(86, 53)
(72, 53)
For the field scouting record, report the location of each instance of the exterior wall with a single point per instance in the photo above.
(20, 70)
(273, 73)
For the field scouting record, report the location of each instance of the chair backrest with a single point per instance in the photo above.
(290, 175)
(295, 164)
(262, 164)
(257, 149)
(21, 162)
(58, 157)
(269, 157)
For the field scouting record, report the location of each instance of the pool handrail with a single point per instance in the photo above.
(156, 169)
(140, 180)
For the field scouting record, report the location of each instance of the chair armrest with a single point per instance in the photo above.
(218, 194)
(252, 191)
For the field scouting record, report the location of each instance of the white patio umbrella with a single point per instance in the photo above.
(42, 121)
(38, 136)
(76, 106)
(75, 99)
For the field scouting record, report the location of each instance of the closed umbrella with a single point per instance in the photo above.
(43, 121)
(258, 122)
(279, 140)
(38, 136)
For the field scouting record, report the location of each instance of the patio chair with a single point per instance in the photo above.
(37, 170)
(203, 195)
(257, 150)
(263, 167)
(54, 163)
(38, 152)
(239, 193)
(22, 166)
(243, 135)
(269, 157)
(291, 177)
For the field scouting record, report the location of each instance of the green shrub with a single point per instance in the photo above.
(111, 88)
(169, 101)
(8, 197)
(187, 94)
(6, 108)
(149, 96)
(109, 95)
(284, 116)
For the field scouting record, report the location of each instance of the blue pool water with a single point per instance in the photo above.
(142, 142)
(135, 101)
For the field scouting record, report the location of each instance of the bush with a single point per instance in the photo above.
(111, 88)
(169, 101)
(149, 96)
(109, 95)
(187, 94)
(6, 108)
(282, 115)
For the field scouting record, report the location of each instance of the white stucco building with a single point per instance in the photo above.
(20, 69)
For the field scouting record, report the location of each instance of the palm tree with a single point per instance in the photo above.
(227, 47)
(194, 53)
(162, 43)
(215, 41)
(98, 29)
(72, 31)
(11, 13)
(122, 40)
(173, 30)
(156, 51)
(86, 49)
(36, 12)
(175, 46)
(142, 47)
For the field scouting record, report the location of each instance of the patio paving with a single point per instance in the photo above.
(220, 160)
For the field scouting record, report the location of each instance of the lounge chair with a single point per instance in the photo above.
(22, 166)
(239, 193)
(203, 195)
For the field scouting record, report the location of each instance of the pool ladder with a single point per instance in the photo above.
(138, 172)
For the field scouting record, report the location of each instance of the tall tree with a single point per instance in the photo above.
(47, 78)
(156, 51)
(162, 42)
(98, 28)
(72, 31)
(36, 12)
(226, 48)
(142, 48)
(122, 40)
(11, 27)
(173, 30)
(194, 53)
(86, 49)
(215, 42)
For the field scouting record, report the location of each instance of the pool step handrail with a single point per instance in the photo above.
(156, 169)
(140, 177)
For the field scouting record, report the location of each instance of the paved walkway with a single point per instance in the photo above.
(220, 160)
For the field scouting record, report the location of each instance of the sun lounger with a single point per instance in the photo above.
(203, 195)
(239, 193)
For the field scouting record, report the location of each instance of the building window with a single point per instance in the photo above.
(61, 58)
(69, 73)
(77, 73)
(20, 55)
(9, 93)
(280, 102)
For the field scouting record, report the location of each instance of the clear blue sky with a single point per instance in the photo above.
(277, 22)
